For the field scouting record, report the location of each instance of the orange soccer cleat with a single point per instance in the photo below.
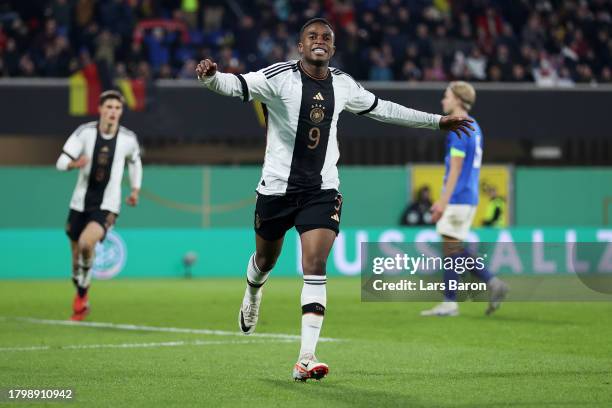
(80, 308)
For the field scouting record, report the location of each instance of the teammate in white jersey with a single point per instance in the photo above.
(99, 150)
(299, 184)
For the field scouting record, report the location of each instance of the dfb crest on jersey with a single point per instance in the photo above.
(317, 114)
(111, 255)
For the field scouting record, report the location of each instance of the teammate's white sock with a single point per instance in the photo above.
(314, 301)
(84, 274)
(255, 278)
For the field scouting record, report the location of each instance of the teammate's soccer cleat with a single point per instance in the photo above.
(249, 313)
(498, 290)
(80, 308)
(308, 367)
(443, 309)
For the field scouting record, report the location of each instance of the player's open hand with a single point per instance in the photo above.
(206, 67)
(80, 162)
(132, 199)
(457, 124)
(437, 209)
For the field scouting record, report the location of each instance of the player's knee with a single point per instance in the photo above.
(314, 266)
(265, 262)
(86, 247)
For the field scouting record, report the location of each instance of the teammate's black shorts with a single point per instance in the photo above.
(275, 215)
(77, 221)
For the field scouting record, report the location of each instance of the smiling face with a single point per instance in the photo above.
(316, 45)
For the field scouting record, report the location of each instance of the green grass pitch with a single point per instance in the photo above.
(526, 355)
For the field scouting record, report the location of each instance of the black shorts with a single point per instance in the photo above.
(275, 215)
(77, 221)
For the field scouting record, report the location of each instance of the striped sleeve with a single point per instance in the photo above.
(73, 147)
(361, 101)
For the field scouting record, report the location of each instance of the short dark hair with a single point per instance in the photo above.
(315, 20)
(111, 94)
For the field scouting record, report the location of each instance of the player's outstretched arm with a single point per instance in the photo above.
(363, 102)
(252, 85)
(223, 84)
(391, 112)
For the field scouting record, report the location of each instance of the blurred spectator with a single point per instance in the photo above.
(121, 71)
(26, 66)
(84, 12)
(495, 213)
(229, 62)
(57, 59)
(60, 11)
(380, 65)
(436, 71)
(565, 78)
(188, 70)
(135, 56)
(105, 48)
(552, 42)
(410, 72)
(476, 65)
(11, 58)
(544, 72)
(503, 61)
(417, 212)
(165, 72)
(190, 12)
(606, 75)
(519, 74)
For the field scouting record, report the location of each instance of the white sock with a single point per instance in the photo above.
(255, 278)
(314, 301)
(84, 271)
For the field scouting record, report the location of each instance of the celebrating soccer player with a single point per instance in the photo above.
(455, 210)
(299, 184)
(99, 150)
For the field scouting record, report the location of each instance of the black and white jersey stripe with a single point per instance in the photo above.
(280, 68)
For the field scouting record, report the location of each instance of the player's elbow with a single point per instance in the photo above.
(62, 163)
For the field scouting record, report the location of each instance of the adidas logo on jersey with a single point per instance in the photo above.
(335, 217)
(318, 97)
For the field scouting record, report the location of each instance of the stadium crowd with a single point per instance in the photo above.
(551, 42)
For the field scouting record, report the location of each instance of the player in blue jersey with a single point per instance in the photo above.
(455, 210)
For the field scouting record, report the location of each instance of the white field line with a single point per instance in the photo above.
(133, 327)
(139, 345)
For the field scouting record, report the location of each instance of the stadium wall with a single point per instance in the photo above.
(136, 253)
(182, 110)
(196, 197)
(556, 196)
(223, 197)
(208, 212)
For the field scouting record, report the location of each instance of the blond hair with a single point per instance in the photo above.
(465, 92)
